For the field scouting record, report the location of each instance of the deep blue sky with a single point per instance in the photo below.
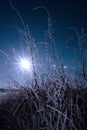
(65, 13)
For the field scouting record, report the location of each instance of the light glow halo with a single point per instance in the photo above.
(24, 64)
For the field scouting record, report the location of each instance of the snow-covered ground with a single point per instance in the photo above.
(4, 93)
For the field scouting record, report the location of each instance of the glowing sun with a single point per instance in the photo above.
(25, 64)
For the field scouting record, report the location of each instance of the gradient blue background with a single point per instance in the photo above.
(65, 13)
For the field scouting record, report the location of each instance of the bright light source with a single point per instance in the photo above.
(24, 64)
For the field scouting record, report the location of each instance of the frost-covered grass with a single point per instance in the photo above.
(48, 108)
(55, 98)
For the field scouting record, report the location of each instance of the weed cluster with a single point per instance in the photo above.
(56, 98)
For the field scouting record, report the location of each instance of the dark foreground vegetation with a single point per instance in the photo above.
(47, 108)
